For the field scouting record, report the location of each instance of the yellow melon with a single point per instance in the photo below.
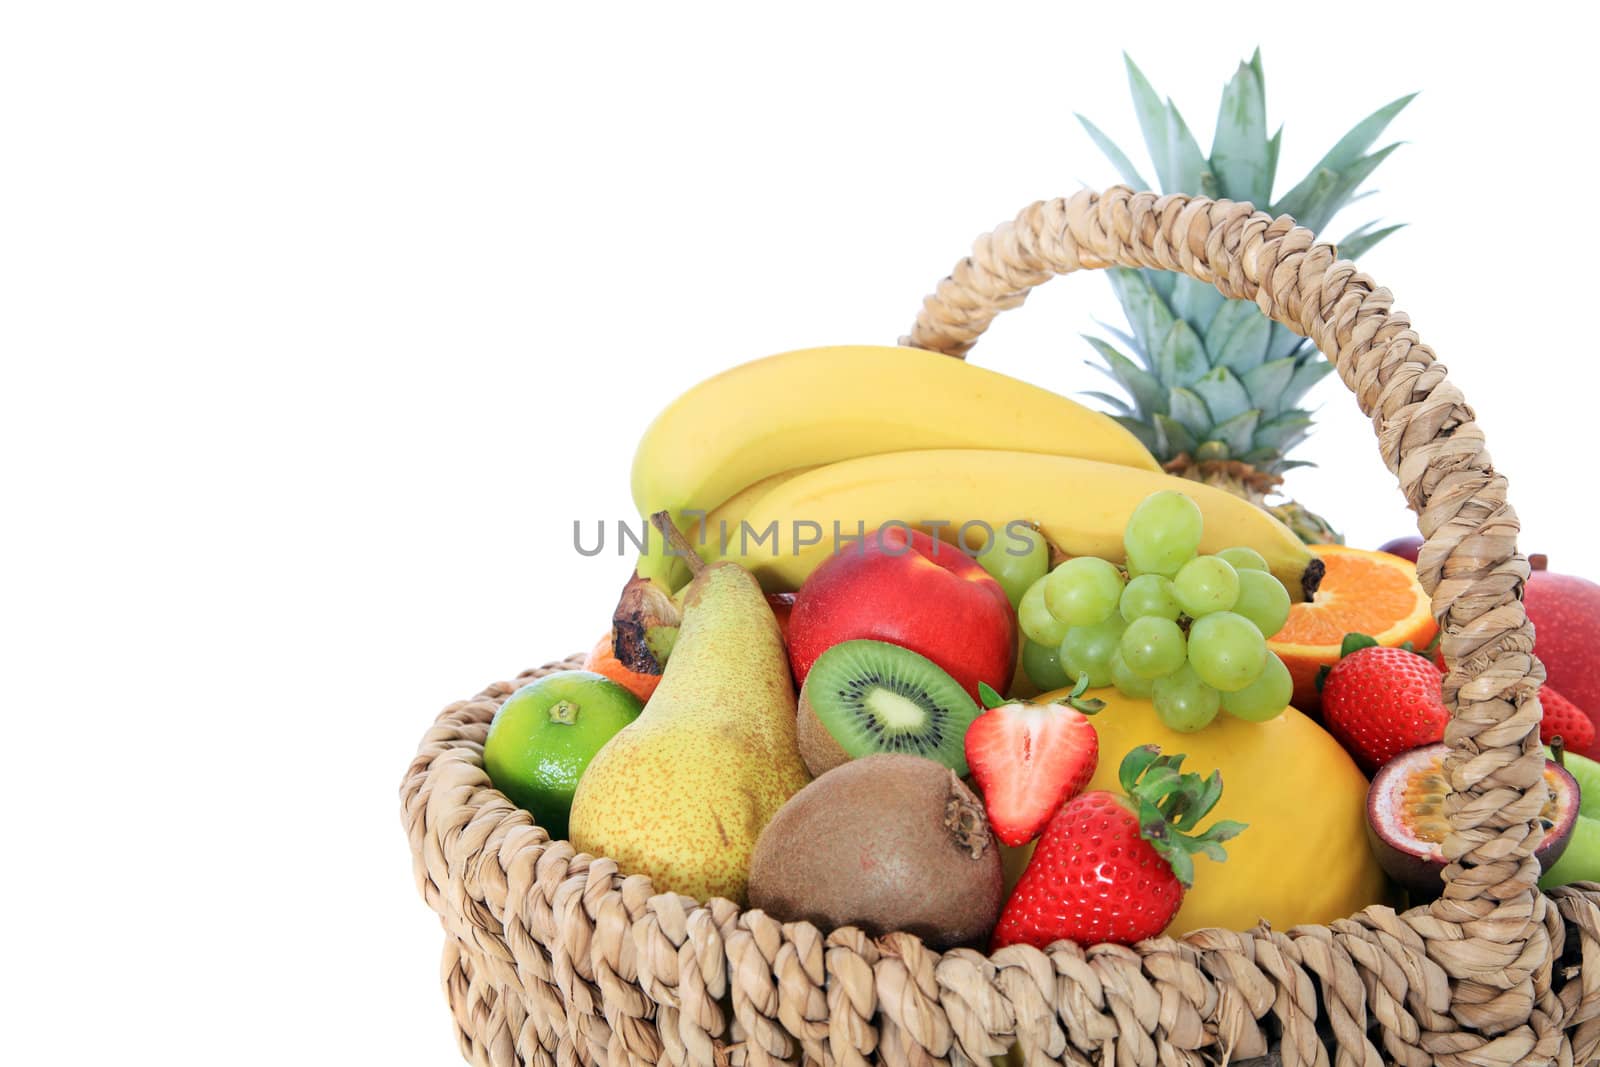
(1304, 858)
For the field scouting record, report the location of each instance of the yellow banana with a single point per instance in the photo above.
(1080, 505)
(722, 522)
(822, 405)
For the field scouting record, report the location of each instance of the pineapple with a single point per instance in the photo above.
(1212, 386)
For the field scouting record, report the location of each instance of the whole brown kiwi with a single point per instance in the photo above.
(886, 842)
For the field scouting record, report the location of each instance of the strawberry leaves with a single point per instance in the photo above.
(1075, 699)
(1353, 643)
(1170, 804)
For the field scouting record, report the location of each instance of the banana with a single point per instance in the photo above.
(822, 405)
(722, 522)
(1080, 505)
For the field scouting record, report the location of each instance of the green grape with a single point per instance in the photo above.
(1083, 591)
(1227, 651)
(1128, 683)
(1042, 665)
(1263, 600)
(1149, 594)
(1266, 697)
(1152, 647)
(1184, 702)
(1088, 649)
(1163, 533)
(1016, 560)
(1204, 585)
(1244, 558)
(1035, 620)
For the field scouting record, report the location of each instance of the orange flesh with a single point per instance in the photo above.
(1363, 592)
(1359, 595)
(602, 659)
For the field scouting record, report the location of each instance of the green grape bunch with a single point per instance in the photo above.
(1184, 630)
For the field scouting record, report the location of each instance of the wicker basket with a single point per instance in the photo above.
(552, 956)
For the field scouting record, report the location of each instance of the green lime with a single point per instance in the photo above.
(544, 736)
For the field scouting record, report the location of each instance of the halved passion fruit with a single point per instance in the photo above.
(1407, 826)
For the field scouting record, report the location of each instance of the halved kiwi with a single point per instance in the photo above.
(865, 697)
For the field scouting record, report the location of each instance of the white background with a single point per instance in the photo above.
(323, 321)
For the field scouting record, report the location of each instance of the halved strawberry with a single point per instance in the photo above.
(1563, 718)
(1029, 759)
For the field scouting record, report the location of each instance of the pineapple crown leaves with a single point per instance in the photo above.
(1244, 160)
(1170, 803)
(1212, 377)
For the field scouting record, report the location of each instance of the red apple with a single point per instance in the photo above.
(904, 587)
(1565, 610)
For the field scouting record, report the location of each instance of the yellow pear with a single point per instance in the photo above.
(682, 792)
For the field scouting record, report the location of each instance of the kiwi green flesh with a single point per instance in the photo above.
(871, 697)
(1407, 823)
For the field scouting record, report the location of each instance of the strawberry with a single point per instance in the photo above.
(1114, 867)
(1562, 718)
(1029, 759)
(1379, 702)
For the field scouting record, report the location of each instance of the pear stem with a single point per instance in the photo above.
(677, 544)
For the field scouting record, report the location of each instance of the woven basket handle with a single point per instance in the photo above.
(1428, 437)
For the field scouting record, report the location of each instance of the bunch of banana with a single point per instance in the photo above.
(863, 435)
(736, 436)
(1080, 506)
(822, 405)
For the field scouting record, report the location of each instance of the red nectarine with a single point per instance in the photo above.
(907, 588)
(1565, 611)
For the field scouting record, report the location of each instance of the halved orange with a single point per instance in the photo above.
(1363, 592)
